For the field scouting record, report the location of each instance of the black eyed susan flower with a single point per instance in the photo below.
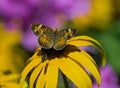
(59, 51)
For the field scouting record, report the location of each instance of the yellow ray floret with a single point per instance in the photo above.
(52, 74)
(76, 64)
(75, 73)
(85, 41)
(87, 63)
(27, 69)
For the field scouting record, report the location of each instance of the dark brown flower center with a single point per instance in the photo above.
(52, 53)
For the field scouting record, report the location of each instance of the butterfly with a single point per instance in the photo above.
(48, 38)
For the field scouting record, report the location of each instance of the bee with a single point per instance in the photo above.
(48, 38)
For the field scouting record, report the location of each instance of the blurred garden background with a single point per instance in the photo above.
(99, 19)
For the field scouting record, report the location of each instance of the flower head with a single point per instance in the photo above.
(60, 52)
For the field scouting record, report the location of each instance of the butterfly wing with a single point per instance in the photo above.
(45, 38)
(61, 37)
(69, 33)
(48, 38)
(36, 28)
(59, 40)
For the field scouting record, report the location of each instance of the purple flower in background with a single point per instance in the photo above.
(43, 11)
(52, 13)
(109, 78)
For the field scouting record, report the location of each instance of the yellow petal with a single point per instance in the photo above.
(35, 74)
(40, 83)
(87, 62)
(52, 74)
(84, 38)
(103, 61)
(9, 85)
(28, 68)
(85, 41)
(79, 41)
(6, 78)
(37, 54)
(75, 73)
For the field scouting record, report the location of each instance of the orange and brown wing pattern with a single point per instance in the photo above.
(45, 35)
(69, 33)
(59, 40)
(46, 39)
(37, 29)
(61, 37)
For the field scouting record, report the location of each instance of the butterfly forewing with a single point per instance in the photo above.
(69, 33)
(36, 28)
(45, 34)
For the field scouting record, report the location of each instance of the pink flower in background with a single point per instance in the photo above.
(109, 78)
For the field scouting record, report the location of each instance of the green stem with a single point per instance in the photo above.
(66, 84)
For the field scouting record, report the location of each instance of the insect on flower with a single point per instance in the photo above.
(48, 38)
(60, 52)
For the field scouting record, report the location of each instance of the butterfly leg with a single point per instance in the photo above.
(44, 56)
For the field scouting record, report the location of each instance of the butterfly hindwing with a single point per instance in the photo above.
(59, 40)
(45, 39)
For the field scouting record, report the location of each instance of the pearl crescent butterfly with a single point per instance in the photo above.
(48, 38)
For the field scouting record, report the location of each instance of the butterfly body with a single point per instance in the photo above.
(48, 38)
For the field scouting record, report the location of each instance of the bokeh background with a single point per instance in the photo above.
(99, 19)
